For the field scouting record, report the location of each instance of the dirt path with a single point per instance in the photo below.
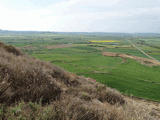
(142, 51)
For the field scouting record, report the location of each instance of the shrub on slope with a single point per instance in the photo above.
(28, 79)
(11, 49)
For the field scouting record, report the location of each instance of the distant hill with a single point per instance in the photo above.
(115, 34)
(23, 32)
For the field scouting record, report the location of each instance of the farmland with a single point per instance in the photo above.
(103, 41)
(81, 53)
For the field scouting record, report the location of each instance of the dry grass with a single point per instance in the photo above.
(11, 49)
(34, 90)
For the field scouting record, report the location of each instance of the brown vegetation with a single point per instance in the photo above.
(10, 49)
(34, 90)
(142, 60)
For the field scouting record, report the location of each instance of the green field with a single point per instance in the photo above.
(74, 52)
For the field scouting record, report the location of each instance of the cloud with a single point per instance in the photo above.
(84, 15)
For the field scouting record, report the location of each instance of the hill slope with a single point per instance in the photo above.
(32, 89)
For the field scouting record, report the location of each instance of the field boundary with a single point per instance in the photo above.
(142, 51)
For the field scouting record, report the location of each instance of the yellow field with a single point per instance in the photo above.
(104, 41)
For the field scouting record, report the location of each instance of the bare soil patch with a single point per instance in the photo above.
(146, 61)
(28, 47)
(60, 46)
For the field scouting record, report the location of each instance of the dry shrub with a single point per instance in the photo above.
(22, 80)
(85, 96)
(29, 79)
(139, 111)
(84, 113)
(67, 78)
(73, 108)
(93, 90)
(111, 97)
(11, 49)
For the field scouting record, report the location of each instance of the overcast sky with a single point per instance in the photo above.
(81, 15)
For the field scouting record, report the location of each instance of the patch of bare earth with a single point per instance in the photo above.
(60, 46)
(146, 61)
(28, 47)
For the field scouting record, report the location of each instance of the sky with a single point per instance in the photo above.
(81, 15)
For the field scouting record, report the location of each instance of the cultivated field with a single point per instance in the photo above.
(81, 53)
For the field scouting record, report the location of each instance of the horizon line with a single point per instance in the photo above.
(77, 31)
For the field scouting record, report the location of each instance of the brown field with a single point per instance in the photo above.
(28, 47)
(59, 46)
(146, 61)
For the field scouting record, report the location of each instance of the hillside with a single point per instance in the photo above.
(31, 89)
